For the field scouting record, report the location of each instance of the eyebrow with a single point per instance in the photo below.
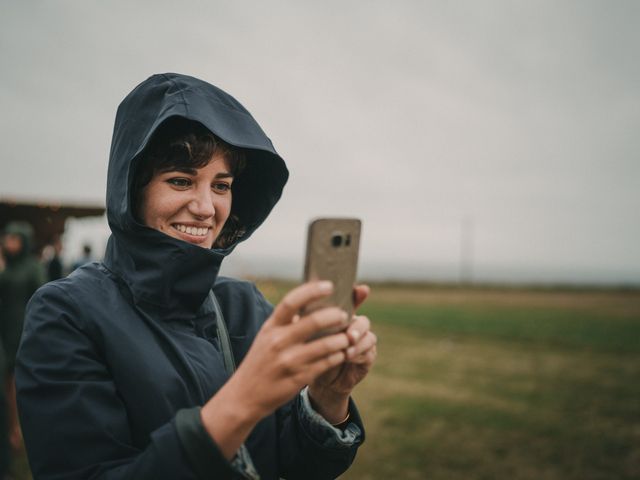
(224, 175)
(194, 171)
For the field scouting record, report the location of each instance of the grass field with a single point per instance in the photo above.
(499, 384)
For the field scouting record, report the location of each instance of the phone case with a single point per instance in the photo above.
(332, 254)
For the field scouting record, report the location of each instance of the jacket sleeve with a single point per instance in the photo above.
(310, 451)
(74, 423)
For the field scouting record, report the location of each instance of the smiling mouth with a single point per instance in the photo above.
(193, 231)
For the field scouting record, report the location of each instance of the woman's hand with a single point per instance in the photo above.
(280, 362)
(330, 391)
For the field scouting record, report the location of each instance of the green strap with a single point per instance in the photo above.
(223, 337)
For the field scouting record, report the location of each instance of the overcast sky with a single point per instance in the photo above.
(520, 120)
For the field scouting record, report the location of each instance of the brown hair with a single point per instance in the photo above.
(179, 142)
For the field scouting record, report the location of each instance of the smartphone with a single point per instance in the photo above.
(332, 254)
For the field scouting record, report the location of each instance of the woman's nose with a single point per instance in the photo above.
(202, 204)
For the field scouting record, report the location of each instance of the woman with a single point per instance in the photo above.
(117, 359)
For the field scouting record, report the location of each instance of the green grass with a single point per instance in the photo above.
(548, 326)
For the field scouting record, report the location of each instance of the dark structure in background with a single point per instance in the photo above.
(46, 218)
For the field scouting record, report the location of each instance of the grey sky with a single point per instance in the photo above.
(522, 116)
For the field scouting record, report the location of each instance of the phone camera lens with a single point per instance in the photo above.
(336, 240)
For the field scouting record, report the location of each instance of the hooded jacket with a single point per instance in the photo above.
(111, 354)
(18, 281)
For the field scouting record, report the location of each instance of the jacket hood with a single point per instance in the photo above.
(162, 271)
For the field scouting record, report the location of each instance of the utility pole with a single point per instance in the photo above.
(466, 249)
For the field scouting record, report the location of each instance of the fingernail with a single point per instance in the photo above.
(355, 335)
(325, 286)
(345, 316)
(351, 351)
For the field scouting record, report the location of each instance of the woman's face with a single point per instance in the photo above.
(191, 204)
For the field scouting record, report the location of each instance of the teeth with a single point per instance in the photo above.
(197, 231)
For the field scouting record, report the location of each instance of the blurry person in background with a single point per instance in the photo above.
(55, 269)
(5, 456)
(5, 453)
(20, 278)
(85, 258)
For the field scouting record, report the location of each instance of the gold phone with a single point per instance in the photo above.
(332, 254)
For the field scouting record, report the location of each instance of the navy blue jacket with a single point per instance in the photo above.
(112, 353)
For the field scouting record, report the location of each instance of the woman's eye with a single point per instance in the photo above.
(179, 182)
(221, 187)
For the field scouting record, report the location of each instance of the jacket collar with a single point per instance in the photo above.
(165, 276)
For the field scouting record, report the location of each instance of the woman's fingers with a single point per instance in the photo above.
(324, 364)
(322, 347)
(363, 351)
(315, 322)
(367, 343)
(367, 358)
(355, 341)
(360, 294)
(358, 328)
(297, 298)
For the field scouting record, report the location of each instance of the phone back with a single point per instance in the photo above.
(332, 254)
